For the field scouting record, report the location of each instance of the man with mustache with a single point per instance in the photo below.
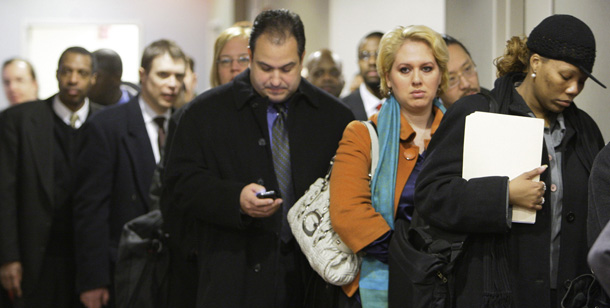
(324, 70)
(120, 149)
(366, 100)
(267, 129)
(463, 76)
(37, 151)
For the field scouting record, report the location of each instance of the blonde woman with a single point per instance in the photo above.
(230, 54)
(412, 64)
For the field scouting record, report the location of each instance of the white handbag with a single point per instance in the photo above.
(309, 220)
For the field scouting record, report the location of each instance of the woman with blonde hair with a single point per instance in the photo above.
(412, 64)
(230, 54)
(508, 264)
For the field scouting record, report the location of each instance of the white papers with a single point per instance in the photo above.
(503, 145)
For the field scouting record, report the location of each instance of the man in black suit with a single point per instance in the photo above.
(226, 150)
(37, 152)
(366, 100)
(121, 148)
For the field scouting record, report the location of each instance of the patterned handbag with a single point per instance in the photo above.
(309, 220)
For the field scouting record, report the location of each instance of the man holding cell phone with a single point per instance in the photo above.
(267, 130)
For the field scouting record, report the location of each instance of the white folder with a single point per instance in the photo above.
(503, 145)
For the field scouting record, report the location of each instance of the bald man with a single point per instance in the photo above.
(325, 71)
(19, 81)
(107, 90)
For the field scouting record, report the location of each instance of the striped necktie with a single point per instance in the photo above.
(281, 165)
(73, 119)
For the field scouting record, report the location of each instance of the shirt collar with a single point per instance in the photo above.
(368, 99)
(64, 113)
(149, 114)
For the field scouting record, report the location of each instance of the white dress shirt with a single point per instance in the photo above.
(65, 114)
(151, 127)
(369, 100)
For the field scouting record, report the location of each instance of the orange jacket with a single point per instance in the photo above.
(351, 213)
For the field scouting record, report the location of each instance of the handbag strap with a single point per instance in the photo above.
(374, 146)
(374, 151)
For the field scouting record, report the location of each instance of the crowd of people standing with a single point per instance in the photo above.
(79, 165)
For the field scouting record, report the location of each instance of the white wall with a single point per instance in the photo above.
(316, 18)
(350, 20)
(469, 21)
(337, 24)
(184, 21)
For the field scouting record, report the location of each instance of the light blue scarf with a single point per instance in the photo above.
(374, 274)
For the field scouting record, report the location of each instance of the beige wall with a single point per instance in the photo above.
(483, 25)
(350, 20)
(185, 21)
(491, 23)
(594, 99)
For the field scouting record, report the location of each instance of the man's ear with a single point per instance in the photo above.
(142, 74)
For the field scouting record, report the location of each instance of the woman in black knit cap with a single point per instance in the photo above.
(512, 264)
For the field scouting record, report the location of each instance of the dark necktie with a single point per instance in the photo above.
(281, 165)
(160, 121)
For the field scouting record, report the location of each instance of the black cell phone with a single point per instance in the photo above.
(266, 194)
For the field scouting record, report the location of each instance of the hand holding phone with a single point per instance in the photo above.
(266, 194)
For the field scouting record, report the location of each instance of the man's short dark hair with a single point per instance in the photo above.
(159, 48)
(450, 40)
(78, 50)
(376, 34)
(280, 24)
(27, 63)
(109, 61)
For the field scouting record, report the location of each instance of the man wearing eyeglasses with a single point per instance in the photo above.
(463, 77)
(366, 100)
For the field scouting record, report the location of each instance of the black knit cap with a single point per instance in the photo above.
(565, 38)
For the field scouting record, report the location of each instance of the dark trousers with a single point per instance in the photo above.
(56, 286)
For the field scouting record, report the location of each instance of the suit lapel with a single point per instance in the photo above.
(361, 112)
(139, 149)
(41, 142)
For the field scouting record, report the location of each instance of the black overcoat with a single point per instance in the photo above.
(221, 145)
(27, 185)
(114, 172)
(478, 207)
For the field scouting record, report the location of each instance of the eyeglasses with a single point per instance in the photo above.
(228, 61)
(469, 71)
(366, 55)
